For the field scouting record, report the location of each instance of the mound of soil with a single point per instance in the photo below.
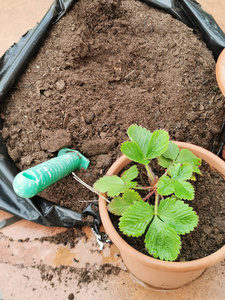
(104, 66)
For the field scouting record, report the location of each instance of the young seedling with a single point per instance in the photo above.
(169, 216)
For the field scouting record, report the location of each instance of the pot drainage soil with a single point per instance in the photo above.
(103, 67)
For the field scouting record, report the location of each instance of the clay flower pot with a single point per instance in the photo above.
(220, 71)
(220, 77)
(157, 273)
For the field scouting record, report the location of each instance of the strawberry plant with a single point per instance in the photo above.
(168, 216)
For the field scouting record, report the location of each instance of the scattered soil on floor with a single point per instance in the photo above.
(71, 296)
(84, 276)
(209, 235)
(69, 237)
(104, 66)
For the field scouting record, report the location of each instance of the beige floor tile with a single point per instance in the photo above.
(17, 17)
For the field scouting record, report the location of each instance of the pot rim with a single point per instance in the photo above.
(220, 71)
(193, 265)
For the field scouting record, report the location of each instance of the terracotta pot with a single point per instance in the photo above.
(157, 273)
(220, 76)
(220, 71)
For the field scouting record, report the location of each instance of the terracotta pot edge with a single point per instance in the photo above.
(220, 71)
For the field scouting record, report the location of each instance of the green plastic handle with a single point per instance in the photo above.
(29, 183)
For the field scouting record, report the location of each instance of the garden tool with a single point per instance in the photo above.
(32, 181)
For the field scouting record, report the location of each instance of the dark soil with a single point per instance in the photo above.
(209, 235)
(83, 275)
(70, 236)
(104, 66)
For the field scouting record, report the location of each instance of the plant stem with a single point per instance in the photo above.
(149, 195)
(143, 188)
(156, 203)
(151, 175)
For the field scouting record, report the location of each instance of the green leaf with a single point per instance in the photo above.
(113, 185)
(172, 151)
(183, 189)
(136, 218)
(158, 144)
(141, 136)
(164, 162)
(178, 215)
(162, 240)
(186, 156)
(119, 204)
(130, 174)
(165, 186)
(144, 145)
(134, 152)
(181, 172)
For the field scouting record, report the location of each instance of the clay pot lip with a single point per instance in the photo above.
(220, 71)
(194, 265)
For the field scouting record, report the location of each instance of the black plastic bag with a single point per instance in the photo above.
(12, 64)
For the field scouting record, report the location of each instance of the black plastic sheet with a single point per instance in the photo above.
(12, 64)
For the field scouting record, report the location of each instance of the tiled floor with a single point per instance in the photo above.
(24, 265)
(17, 17)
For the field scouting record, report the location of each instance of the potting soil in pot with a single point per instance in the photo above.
(104, 66)
(209, 204)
